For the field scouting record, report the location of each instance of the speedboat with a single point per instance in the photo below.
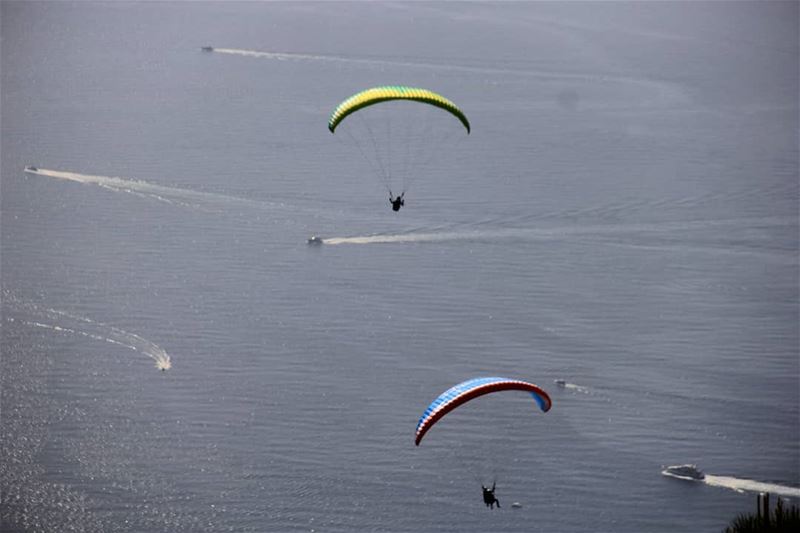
(315, 240)
(688, 472)
(31, 169)
(561, 382)
(207, 48)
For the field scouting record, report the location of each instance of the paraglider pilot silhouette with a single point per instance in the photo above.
(489, 498)
(398, 202)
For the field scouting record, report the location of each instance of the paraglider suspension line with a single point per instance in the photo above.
(386, 175)
(369, 160)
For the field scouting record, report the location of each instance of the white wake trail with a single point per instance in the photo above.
(599, 233)
(145, 189)
(666, 91)
(416, 237)
(63, 322)
(465, 235)
(287, 56)
(749, 485)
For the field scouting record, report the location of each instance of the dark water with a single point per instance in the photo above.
(624, 216)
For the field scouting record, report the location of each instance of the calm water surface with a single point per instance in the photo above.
(624, 216)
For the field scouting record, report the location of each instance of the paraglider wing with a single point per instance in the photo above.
(393, 92)
(470, 389)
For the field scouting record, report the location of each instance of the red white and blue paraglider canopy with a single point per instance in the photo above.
(470, 389)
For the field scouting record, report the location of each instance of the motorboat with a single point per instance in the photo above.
(561, 382)
(207, 48)
(315, 240)
(31, 169)
(688, 472)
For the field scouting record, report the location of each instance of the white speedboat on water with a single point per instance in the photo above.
(688, 472)
(207, 48)
(315, 240)
(31, 169)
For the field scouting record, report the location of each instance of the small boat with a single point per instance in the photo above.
(315, 240)
(561, 382)
(207, 48)
(31, 169)
(688, 472)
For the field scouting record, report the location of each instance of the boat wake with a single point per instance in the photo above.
(66, 323)
(749, 485)
(521, 234)
(416, 237)
(665, 91)
(658, 235)
(170, 195)
(287, 56)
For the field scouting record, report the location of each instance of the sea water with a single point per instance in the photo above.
(622, 217)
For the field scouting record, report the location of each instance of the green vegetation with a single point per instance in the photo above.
(780, 520)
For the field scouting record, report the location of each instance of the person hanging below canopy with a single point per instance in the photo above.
(398, 130)
(468, 390)
(489, 498)
(398, 202)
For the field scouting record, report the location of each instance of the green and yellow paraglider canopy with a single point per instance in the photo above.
(393, 92)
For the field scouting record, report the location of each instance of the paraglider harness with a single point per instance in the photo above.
(398, 202)
(489, 498)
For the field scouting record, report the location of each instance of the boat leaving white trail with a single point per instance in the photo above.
(66, 323)
(692, 474)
